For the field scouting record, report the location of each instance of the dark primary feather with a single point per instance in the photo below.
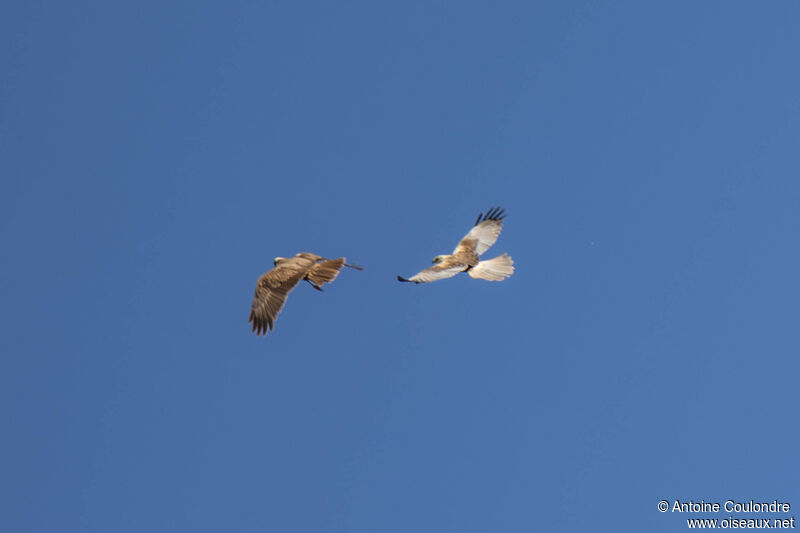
(495, 213)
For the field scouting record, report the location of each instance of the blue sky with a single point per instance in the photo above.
(156, 157)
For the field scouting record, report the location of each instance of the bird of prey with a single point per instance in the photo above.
(465, 258)
(273, 287)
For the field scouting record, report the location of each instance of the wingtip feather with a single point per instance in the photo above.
(495, 213)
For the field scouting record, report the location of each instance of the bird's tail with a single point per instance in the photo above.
(325, 271)
(496, 269)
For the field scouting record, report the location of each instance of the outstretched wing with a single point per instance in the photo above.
(484, 234)
(445, 269)
(325, 271)
(271, 291)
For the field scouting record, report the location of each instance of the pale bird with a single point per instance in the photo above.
(465, 258)
(273, 287)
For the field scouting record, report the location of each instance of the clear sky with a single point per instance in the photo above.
(155, 157)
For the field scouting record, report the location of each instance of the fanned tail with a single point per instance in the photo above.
(496, 269)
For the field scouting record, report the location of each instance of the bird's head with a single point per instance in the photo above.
(438, 259)
(278, 260)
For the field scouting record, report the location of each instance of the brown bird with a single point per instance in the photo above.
(465, 258)
(273, 287)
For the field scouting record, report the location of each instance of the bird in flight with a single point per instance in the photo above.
(273, 287)
(465, 258)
